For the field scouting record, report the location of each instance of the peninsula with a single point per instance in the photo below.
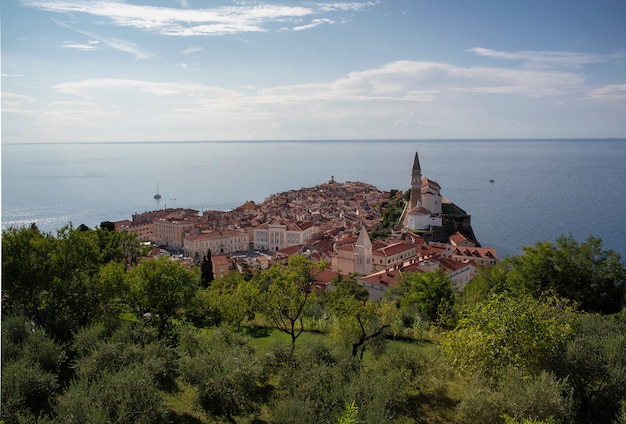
(331, 221)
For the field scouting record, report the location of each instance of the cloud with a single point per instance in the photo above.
(91, 45)
(73, 111)
(313, 24)
(400, 81)
(115, 43)
(546, 58)
(193, 49)
(609, 92)
(94, 88)
(399, 99)
(14, 103)
(240, 18)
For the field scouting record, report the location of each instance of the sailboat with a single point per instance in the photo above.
(157, 195)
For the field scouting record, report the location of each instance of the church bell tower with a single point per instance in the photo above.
(416, 183)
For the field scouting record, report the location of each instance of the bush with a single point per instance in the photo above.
(26, 388)
(518, 396)
(230, 377)
(127, 395)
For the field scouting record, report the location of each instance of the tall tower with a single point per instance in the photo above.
(363, 257)
(416, 183)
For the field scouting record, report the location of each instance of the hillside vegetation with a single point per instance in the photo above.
(93, 332)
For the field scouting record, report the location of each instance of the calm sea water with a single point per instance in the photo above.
(541, 188)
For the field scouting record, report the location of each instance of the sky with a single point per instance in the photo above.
(192, 70)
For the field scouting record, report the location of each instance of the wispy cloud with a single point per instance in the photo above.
(94, 88)
(14, 103)
(543, 58)
(90, 45)
(193, 49)
(401, 97)
(313, 24)
(73, 111)
(400, 81)
(609, 92)
(240, 18)
(115, 43)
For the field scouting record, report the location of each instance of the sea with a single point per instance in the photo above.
(518, 192)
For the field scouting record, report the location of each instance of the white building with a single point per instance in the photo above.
(425, 203)
(420, 218)
(220, 242)
(276, 236)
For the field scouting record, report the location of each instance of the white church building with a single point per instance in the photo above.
(424, 208)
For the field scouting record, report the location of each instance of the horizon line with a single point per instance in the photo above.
(341, 140)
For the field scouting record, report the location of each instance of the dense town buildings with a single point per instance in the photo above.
(330, 221)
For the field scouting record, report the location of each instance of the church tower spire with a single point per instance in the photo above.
(363, 256)
(416, 183)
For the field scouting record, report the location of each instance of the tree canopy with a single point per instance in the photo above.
(93, 332)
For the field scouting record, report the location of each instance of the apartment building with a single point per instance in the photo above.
(271, 237)
(171, 232)
(219, 242)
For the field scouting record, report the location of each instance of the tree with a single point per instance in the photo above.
(585, 273)
(345, 287)
(161, 287)
(593, 361)
(229, 376)
(107, 225)
(236, 298)
(31, 362)
(206, 270)
(288, 290)
(516, 397)
(357, 323)
(126, 395)
(56, 279)
(429, 295)
(26, 274)
(507, 331)
(118, 246)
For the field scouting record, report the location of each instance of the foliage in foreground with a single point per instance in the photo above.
(537, 340)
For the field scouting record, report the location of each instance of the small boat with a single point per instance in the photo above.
(491, 179)
(157, 195)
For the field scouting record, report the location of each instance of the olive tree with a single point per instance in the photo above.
(162, 288)
(287, 294)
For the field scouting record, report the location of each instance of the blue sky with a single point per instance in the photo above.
(140, 70)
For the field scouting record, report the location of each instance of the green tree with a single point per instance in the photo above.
(118, 246)
(429, 295)
(162, 288)
(593, 361)
(313, 386)
(26, 273)
(583, 272)
(27, 389)
(206, 270)
(357, 324)
(345, 287)
(231, 379)
(516, 397)
(287, 294)
(507, 331)
(236, 298)
(31, 364)
(125, 395)
(68, 298)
